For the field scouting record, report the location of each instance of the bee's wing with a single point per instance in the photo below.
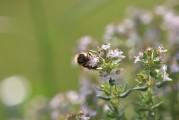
(76, 58)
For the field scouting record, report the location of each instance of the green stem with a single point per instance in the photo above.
(150, 98)
(115, 98)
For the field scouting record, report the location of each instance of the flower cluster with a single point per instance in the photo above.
(152, 60)
(153, 75)
(109, 70)
(61, 104)
(110, 60)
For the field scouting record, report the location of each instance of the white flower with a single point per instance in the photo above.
(94, 61)
(164, 73)
(161, 49)
(83, 117)
(115, 54)
(105, 46)
(137, 58)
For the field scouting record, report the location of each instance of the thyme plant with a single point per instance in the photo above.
(109, 70)
(152, 76)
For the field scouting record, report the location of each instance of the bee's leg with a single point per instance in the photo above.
(86, 65)
(89, 55)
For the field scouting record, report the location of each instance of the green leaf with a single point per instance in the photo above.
(113, 107)
(110, 114)
(125, 87)
(160, 84)
(151, 113)
(155, 106)
(125, 94)
(106, 86)
(118, 89)
(112, 82)
(141, 88)
(107, 98)
(153, 73)
(98, 88)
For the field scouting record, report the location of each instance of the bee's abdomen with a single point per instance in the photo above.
(82, 59)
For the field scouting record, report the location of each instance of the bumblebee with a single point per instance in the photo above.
(83, 59)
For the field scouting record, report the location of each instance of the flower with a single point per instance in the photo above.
(161, 49)
(115, 54)
(94, 61)
(137, 58)
(106, 46)
(164, 73)
(83, 117)
(105, 76)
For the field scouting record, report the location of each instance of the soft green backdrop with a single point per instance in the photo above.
(37, 39)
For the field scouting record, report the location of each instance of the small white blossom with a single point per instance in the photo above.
(115, 54)
(137, 58)
(94, 61)
(83, 117)
(164, 73)
(106, 46)
(161, 49)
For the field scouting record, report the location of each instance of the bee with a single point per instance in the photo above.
(83, 59)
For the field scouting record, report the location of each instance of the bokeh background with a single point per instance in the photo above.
(37, 38)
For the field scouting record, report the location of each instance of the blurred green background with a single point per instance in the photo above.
(37, 38)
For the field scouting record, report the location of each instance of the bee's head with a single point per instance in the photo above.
(82, 58)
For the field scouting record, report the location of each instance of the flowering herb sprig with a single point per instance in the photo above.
(153, 75)
(108, 62)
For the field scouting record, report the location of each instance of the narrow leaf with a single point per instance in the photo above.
(155, 106)
(160, 84)
(107, 98)
(125, 94)
(125, 87)
(141, 88)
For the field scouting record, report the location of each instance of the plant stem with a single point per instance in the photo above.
(115, 98)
